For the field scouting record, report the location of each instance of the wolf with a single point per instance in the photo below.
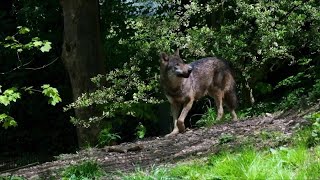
(184, 83)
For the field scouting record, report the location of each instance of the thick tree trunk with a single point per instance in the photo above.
(82, 55)
(7, 18)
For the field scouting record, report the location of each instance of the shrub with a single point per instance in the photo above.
(106, 137)
(313, 137)
(84, 171)
(125, 94)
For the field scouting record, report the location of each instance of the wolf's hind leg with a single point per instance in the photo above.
(218, 99)
(231, 102)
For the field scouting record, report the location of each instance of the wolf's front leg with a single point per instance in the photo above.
(186, 108)
(175, 109)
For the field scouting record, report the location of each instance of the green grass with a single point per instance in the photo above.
(280, 163)
(208, 119)
(298, 158)
(12, 178)
(84, 171)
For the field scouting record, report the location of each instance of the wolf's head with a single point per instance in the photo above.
(173, 64)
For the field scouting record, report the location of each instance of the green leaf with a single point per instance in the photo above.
(6, 45)
(52, 93)
(2, 117)
(46, 47)
(37, 43)
(7, 121)
(12, 123)
(4, 100)
(8, 96)
(36, 39)
(11, 94)
(45, 86)
(9, 38)
(23, 30)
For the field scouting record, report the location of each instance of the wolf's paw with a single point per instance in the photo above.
(173, 133)
(181, 127)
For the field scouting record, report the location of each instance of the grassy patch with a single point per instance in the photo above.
(11, 178)
(208, 119)
(297, 162)
(226, 138)
(301, 160)
(280, 163)
(84, 171)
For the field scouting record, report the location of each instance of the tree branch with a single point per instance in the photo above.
(26, 64)
(16, 68)
(44, 66)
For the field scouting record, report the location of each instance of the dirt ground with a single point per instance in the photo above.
(145, 153)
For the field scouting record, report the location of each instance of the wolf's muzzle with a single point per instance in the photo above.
(185, 73)
(190, 68)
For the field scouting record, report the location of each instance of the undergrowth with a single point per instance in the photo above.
(278, 163)
(296, 99)
(11, 178)
(85, 171)
(208, 119)
(299, 159)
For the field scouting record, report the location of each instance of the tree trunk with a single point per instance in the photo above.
(82, 55)
(7, 18)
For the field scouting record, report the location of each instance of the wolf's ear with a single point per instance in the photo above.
(177, 52)
(164, 56)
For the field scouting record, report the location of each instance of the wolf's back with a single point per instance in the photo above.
(210, 67)
(214, 73)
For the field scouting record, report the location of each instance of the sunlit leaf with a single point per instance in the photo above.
(46, 47)
(23, 30)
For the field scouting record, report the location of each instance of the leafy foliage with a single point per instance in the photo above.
(84, 171)
(24, 66)
(126, 94)
(7, 121)
(12, 42)
(257, 41)
(314, 135)
(208, 119)
(8, 96)
(263, 40)
(140, 131)
(11, 95)
(12, 178)
(107, 138)
(273, 47)
(314, 94)
(52, 93)
(292, 99)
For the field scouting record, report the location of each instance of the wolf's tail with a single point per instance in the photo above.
(231, 99)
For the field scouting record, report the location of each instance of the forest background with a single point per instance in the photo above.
(273, 47)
